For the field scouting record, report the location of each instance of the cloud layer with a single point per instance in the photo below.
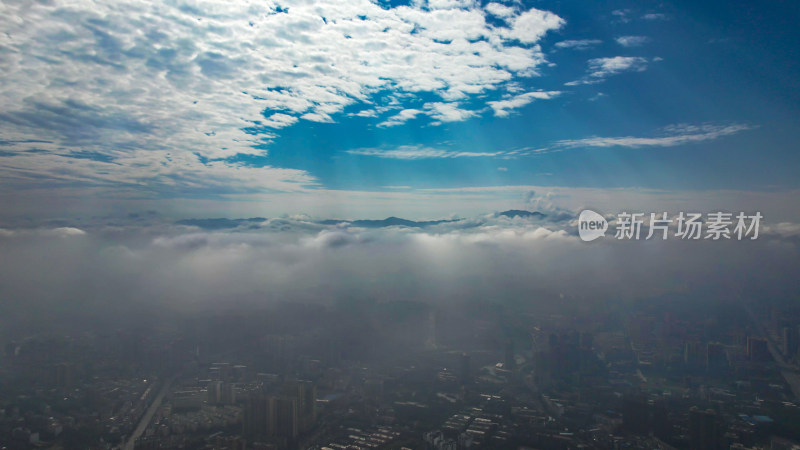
(670, 136)
(109, 271)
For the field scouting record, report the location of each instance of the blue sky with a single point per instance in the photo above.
(421, 109)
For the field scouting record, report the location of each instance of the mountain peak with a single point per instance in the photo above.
(521, 213)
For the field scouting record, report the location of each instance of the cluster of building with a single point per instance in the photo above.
(635, 376)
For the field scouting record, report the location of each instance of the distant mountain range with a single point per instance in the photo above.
(388, 222)
(220, 223)
(521, 213)
(224, 223)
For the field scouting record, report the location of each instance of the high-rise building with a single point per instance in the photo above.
(306, 405)
(704, 430)
(259, 416)
(63, 375)
(586, 340)
(552, 341)
(286, 425)
(789, 335)
(758, 349)
(693, 354)
(221, 393)
(635, 414)
(222, 442)
(220, 371)
(661, 425)
(214, 391)
(464, 369)
(778, 443)
(283, 415)
(228, 394)
(716, 359)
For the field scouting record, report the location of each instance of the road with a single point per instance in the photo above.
(148, 416)
(788, 371)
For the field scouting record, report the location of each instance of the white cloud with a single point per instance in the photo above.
(579, 44)
(401, 117)
(582, 81)
(655, 16)
(138, 90)
(671, 136)
(621, 15)
(602, 68)
(451, 4)
(439, 111)
(502, 108)
(279, 120)
(317, 117)
(531, 25)
(60, 232)
(597, 97)
(365, 113)
(448, 112)
(500, 10)
(632, 41)
(410, 152)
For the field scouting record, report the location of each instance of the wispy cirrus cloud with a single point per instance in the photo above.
(670, 136)
(410, 152)
(632, 41)
(579, 44)
(655, 16)
(601, 68)
(621, 15)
